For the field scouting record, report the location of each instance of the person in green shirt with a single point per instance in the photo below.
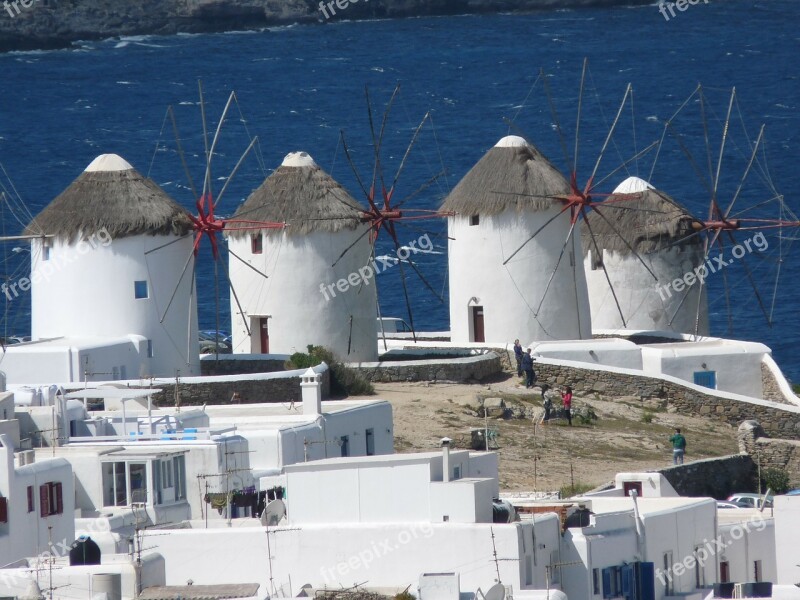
(678, 447)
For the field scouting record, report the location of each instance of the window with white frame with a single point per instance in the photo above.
(124, 482)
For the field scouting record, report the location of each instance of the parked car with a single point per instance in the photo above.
(724, 504)
(793, 492)
(751, 500)
(212, 342)
(393, 325)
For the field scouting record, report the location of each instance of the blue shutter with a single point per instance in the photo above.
(628, 584)
(706, 379)
(646, 581)
(607, 574)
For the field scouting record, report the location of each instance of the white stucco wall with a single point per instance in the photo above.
(29, 533)
(611, 352)
(744, 543)
(385, 555)
(299, 272)
(647, 303)
(787, 532)
(101, 302)
(737, 364)
(510, 294)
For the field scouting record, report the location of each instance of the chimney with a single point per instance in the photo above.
(446, 459)
(311, 388)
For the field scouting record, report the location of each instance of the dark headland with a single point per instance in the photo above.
(48, 24)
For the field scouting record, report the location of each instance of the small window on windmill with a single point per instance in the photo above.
(256, 243)
(475, 220)
(597, 259)
(140, 290)
(46, 250)
(149, 348)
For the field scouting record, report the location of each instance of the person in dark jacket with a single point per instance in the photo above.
(518, 356)
(527, 367)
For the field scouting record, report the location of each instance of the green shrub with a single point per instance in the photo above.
(568, 491)
(344, 380)
(405, 595)
(775, 479)
(647, 417)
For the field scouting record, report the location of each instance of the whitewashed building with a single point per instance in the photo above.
(645, 246)
(37, 504)
(112, 295)
(309, 283)
(495, 294)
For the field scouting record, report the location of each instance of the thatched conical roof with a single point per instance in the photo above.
(302, 195)
(505, 178)
(111, 195)
(658, 221)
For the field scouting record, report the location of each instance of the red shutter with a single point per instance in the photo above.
(59, 499)
(3, 510)
(44, 500)
(31, 502)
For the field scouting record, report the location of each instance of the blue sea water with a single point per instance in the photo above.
(298, 87)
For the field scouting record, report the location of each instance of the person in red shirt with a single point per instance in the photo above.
(566, 398)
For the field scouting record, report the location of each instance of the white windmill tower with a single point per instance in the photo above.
(515, 263)
(653, 239)
(282, 279)
(92, 277)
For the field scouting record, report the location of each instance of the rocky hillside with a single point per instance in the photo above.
(39, 24)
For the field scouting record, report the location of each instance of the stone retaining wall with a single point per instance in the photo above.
(770, 453)
(770, 388)
(715, 477)
(252, 388)
(460, 370)
(232, 365)
(776, 420)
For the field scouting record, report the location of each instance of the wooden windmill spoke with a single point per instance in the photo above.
(175, 241)
(752, 281)
(625, 241)
(353, 168)
(423, 279)
(623, 165)
(420, 189)
(177, 286)
(605, 271)
(535, 233)
(245, 263)
(181, 153)
(561, 137)
(714, 202)
(350, 246)
(383, 129)
(689, 156)
(235, 297)
(700, 293)
(610, 135)
(235, 170)
(215, 140)
(403, 281)
(578, 120)
(746, 171)
(681, 303)
(207, 175)
(377, 169)
(555, 269)
(405, 156)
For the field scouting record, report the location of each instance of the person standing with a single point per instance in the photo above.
(678, 447)
(518, 356)
(566, 398)
(547, 398)
(527, 367)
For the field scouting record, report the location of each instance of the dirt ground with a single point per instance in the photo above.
(628, 435)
